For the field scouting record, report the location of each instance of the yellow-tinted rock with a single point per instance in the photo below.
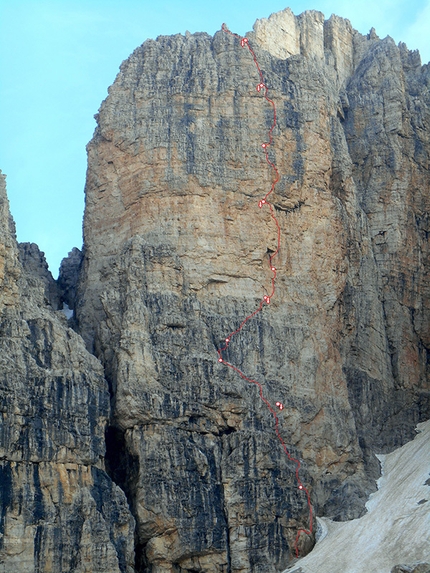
(177, 253)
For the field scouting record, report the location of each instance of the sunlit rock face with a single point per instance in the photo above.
(190, 476)
(59, 510)
(176, 254)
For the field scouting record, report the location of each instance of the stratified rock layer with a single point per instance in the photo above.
(59, 510)
(176, 255)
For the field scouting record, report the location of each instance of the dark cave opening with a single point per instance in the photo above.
(123, 469)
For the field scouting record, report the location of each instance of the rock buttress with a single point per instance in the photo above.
(175, 255)
(59, 510)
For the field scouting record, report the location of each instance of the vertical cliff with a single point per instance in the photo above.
(189, 475)
(59, 510)
(175, 255)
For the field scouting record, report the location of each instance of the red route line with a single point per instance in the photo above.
(244, 42)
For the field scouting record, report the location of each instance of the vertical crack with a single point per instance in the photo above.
(225, 511)
(123, 469)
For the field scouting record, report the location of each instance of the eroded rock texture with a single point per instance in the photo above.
(59, 510)
(175, 255)
(36, 267)
(68, 277)
(416, 568)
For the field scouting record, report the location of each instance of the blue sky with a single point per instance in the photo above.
(57, 59)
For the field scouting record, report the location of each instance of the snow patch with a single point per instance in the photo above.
(395, 529)
(67, 311)
(322, 529)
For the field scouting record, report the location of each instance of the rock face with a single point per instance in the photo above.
(190, 476)
(59, 510)
(175, 256)
(68, 277)
(36, 267)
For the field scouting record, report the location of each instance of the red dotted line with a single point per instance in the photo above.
(262, 87)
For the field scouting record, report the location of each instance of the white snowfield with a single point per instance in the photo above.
(396, 529)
